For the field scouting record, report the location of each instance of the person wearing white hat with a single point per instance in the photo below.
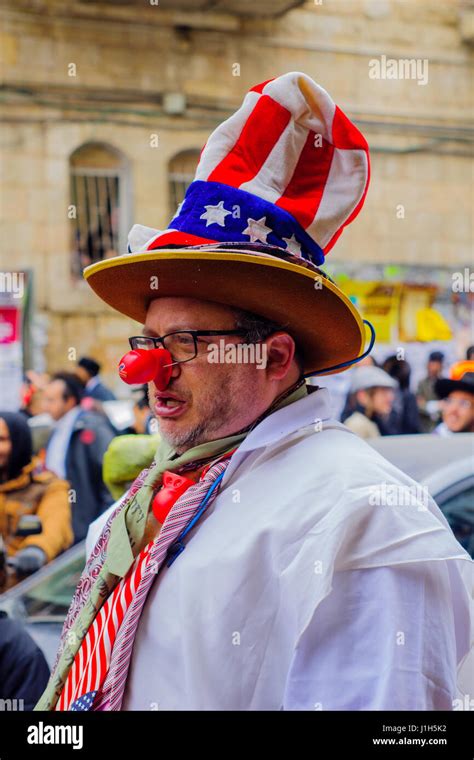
(374, 392)
(251, 567)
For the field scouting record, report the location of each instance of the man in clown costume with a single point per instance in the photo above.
(258, 564)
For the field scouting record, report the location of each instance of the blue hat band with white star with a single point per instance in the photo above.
(221, 213)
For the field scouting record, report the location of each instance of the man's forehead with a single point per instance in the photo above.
(462, 394)
(56, 382)
(169, 314)
(54, 387)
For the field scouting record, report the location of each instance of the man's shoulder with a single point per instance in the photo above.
(334, 452)
(88, 419)
(323, 433)
(361, 425)
(101, 393)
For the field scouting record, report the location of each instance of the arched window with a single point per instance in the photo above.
(182, 168)
(100, 213)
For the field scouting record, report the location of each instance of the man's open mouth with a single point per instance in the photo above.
(170, 402)
(168, 406)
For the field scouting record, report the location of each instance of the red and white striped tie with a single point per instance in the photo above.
(92, 660)
(97, 677)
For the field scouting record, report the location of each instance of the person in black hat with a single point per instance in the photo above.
(88, 371)
(404, 418)
(426, 395)
(457, 399)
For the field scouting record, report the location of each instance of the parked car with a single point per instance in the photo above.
(42, 600)
(445, 465)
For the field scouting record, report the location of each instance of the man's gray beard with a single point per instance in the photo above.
(186, 439)
(221, 414)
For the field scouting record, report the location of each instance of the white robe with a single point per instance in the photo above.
(295, 591)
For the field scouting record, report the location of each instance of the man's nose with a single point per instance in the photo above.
(175, 370)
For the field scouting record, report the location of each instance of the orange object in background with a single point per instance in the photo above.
(459, 369)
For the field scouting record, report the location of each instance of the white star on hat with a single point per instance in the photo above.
(215, 214)
(257, 230)
(292, 245)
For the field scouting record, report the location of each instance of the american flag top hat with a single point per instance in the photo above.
(275, 186)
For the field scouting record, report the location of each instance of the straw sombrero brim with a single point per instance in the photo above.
(322, 320)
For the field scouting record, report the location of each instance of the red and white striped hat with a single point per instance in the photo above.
(296, 153)
(275, 185)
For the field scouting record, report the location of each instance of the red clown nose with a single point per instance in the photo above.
(173, 487)
(141, 366)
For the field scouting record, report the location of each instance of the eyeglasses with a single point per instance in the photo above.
(463, 403)
(183, 345)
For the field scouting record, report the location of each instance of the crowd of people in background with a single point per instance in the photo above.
(380, 401)
(52, 453)
(56, 452)
(64, 461)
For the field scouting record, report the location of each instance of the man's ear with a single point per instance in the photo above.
(362, 397)
(280, 353)
(71, 403)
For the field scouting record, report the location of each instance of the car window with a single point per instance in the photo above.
(52, 595)
(458, 509)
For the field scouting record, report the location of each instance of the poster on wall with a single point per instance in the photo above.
(413, 309)
(13, 300)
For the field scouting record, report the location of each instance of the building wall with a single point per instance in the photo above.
(418, 208)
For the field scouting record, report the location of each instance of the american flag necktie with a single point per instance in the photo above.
(97, 677)
(93, 658)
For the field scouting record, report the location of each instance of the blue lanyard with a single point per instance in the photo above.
(175, 549)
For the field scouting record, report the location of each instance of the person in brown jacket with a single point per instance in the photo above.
(26, 488)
